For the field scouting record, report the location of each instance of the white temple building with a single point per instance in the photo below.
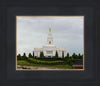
(50, 49)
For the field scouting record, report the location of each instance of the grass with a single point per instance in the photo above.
(26, 63)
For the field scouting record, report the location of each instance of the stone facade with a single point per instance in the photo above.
(50, 49)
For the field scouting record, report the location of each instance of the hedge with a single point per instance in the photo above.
(31, 60)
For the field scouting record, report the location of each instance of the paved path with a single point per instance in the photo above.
(20, 67)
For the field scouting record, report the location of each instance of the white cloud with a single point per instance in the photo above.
(67, 32)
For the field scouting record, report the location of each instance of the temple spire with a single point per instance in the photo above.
(49, 29)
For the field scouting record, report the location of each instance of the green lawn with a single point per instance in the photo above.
(27, 63)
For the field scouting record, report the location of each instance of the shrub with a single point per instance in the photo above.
(45, 62)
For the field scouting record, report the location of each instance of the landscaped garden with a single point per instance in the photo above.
(42, 61)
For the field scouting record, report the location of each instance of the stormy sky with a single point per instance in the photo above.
(67, 31)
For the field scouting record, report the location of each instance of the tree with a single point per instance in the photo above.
(79, 56)
(74, 56)
(24, 57)
(56, 55)
(33, 54)
(41, 55)
(30, 55)
(67, 57)
(19, 57)
(82, 55)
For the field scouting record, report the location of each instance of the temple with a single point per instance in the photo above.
(50, 49)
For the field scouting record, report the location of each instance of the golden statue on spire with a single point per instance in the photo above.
(49, 29)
